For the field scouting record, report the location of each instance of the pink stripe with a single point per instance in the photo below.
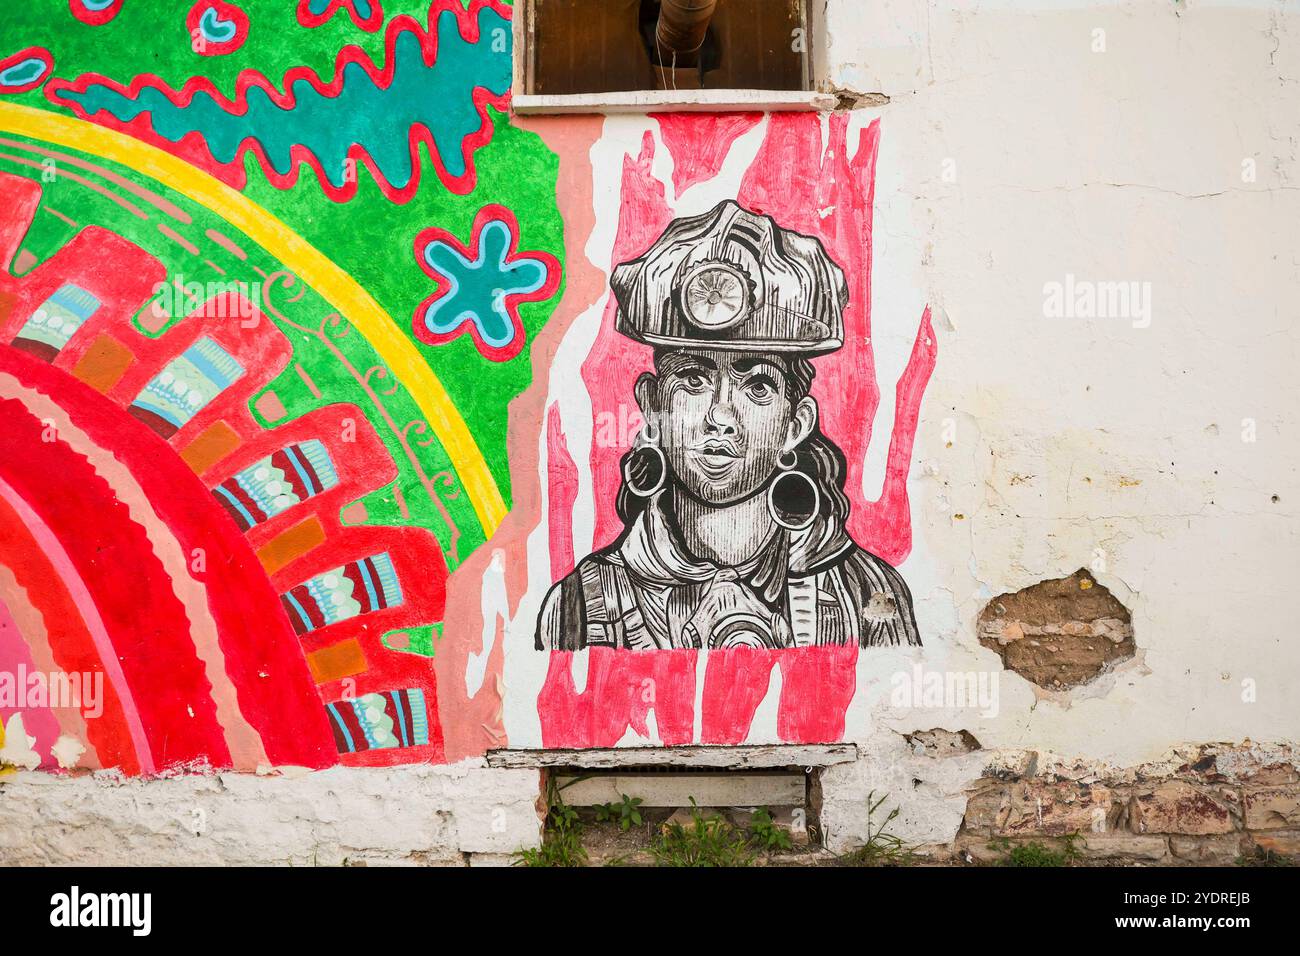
(90, 614)
(244, 742)
(38, 722)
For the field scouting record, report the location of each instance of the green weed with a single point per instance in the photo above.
(765, 834)
(707, 841)
(1034, 853)
(626, 814)
(882, 848)
(561, 839)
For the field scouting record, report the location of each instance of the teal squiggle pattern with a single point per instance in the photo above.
(379, 119)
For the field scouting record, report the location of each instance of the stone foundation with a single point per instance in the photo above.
(1207, 805)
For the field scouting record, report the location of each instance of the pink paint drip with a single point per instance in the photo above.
(700, 144)
(817, 684)
(830, 196)
(622, 687)
(826, 194)
(615, 360)
(562, 492)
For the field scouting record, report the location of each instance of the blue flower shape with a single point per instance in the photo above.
(480, 288)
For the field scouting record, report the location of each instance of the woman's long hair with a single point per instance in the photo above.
(817, 456)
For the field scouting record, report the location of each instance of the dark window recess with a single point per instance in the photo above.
(607, 46)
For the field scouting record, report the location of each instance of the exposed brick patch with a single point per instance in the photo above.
(846, 99)
(1059, 633)
(1125, 847)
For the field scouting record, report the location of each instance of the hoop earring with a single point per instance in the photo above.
(793, 498)
(645, 470)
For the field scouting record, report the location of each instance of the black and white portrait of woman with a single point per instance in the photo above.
(732, 498)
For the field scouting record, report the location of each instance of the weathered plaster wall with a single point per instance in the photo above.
(1013, 156)
(1075, 144)
(400, 816)
(1162, 455)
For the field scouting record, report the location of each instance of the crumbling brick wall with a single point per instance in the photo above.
(1213, 804)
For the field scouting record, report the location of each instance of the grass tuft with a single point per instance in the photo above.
(561, 838)
(1034, 853)
(882, 847)
(706, 841)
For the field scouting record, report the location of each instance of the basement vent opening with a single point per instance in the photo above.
(658, 787)
(791, 795)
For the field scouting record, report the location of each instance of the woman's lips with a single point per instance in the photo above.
(715, 460)
(715, 446)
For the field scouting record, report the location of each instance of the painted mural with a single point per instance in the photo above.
(347, 418)
(667, 193)
(732, 499)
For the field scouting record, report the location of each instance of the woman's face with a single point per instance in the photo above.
(724, 418)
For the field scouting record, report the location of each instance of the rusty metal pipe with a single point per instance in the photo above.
(682, 26)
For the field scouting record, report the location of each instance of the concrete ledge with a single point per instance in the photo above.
(729, 758)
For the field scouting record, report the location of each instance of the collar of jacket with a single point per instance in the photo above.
(654, 552)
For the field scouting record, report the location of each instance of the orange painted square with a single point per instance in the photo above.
(210, 446)
(104, 363)
(292, 544)
(337, 661)
(6, 306)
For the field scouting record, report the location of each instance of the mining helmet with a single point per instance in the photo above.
(732, 279)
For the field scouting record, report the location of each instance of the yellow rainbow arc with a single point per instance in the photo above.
(307, 262)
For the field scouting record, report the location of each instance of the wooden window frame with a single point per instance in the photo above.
(642, 101)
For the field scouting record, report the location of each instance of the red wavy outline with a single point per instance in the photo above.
(489, 213)
(225, 11)
(370, 25)
(95, 18)
(299, 155)
(40, 53)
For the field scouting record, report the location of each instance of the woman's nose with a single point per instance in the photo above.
(721, 416)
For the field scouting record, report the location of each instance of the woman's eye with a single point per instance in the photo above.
(694, 380)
